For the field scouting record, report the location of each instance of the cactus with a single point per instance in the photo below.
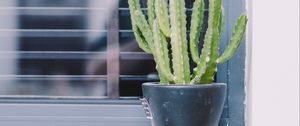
(166, 25)
(134, 5)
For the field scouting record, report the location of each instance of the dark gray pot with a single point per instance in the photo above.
(185, 105)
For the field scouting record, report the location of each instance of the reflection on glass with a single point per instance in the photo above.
(53, 47)
(60, 48)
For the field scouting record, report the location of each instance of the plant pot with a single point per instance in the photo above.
(184, 105)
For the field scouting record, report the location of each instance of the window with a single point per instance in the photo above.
(83, 52)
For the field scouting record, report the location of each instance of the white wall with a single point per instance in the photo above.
(273, 95)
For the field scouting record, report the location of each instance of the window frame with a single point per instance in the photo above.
(233, 71)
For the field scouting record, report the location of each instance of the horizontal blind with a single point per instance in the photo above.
(65, 48)
(72, 48)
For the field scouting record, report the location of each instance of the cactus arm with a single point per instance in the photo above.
(210, 36)
(141, 40)
(151, 11)
(144, 27)
(166, 53)
(196, 27)
(208, 76)
(236, 38)
(161, 12)
(134, 5)
(160, 52)
(221, 21)
(204, 59)
(186, 64)
(179, 42)
(155, 47)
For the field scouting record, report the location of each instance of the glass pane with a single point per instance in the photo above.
(71, 48)
(54, 47)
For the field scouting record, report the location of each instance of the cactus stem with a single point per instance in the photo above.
(196, 26)
(133, 6)
(178, 41)
(237, 36)
(161, 11)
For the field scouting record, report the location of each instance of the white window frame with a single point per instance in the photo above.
(273, 63)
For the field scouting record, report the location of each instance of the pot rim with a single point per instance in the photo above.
(156, 84)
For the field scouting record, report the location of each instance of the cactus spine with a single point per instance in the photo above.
(166, 25)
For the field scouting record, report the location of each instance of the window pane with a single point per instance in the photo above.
(54, 47)
(72, 48)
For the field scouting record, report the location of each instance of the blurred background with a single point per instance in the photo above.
(70, 48)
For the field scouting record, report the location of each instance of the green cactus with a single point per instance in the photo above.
(163, 16)
(166, 25)
(196, 27)
(179, 42)
(134, 5)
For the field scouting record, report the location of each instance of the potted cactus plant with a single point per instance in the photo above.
(182, 97)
